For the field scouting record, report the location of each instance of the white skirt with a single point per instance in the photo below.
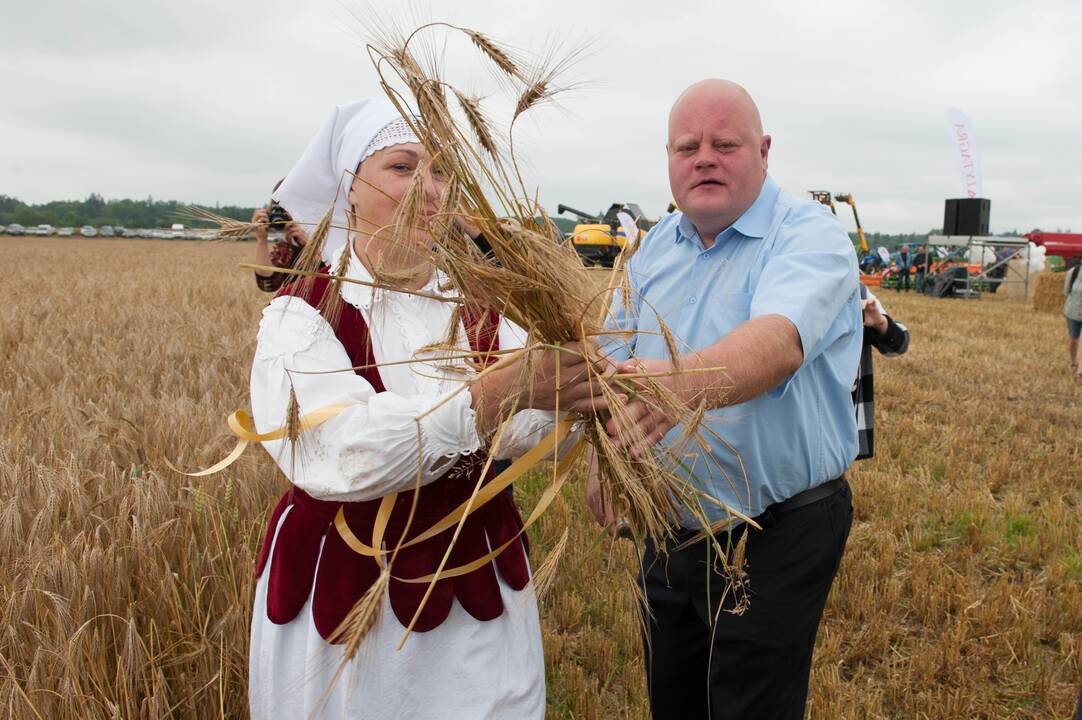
(465, 669)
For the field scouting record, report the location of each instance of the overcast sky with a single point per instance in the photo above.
(213, 101)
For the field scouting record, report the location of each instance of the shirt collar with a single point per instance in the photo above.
(753, 223)
(363, 297)
(359, 296)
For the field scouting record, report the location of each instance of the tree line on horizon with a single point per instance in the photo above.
(95, 210)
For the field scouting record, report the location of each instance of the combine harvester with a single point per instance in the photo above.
(599, 239)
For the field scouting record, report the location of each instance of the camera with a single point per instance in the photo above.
(278, 216)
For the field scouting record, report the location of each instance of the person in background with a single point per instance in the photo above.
(905, 262)
(920, 262)
(1072, 310)
(284, 253)
(890, 338)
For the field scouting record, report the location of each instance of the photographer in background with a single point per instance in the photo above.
(283, 253)
(890, 338)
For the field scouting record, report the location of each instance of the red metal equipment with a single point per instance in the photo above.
(1065, 245)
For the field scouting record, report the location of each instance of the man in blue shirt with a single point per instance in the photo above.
(905, 264)
(761, 289)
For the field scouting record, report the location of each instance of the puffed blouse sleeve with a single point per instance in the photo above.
(377, 444)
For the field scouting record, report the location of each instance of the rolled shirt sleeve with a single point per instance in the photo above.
(809, 279)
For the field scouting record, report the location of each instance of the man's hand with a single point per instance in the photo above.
(753, 358)
(646, 416)
(260, 219)
(872, 317)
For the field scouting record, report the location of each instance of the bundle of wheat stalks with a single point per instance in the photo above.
(531, 276)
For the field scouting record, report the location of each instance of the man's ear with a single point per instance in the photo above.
(764, 150)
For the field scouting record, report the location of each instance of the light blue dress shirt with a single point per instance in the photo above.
(784, 256)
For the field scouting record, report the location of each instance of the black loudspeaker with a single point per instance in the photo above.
(966, 216)
(950, 217)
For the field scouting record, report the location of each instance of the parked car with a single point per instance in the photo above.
(3, 229)
(65, 232)
(45, 229)
(107, 231)
(125, 232)
(88, 231)
(16, 229)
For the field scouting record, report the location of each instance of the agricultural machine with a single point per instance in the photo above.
(868, 260)
(600, 238)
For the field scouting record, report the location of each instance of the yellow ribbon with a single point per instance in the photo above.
(562, 472)
(501, 482)
(243, 427)
(383, 516)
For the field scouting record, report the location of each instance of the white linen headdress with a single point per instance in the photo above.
(323, 174)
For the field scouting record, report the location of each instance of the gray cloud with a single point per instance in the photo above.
(213, 101)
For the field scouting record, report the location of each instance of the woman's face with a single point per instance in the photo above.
(380, 184)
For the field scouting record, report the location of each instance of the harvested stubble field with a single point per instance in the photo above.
(126, 588)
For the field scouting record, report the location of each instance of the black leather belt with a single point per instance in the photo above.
(809, 496)
(801, 499)
(770, 515)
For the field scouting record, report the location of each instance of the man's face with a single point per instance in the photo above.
(717, 159)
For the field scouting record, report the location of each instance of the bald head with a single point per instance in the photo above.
(717, 154)
(716, 90)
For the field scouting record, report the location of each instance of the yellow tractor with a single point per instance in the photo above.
(600, 238)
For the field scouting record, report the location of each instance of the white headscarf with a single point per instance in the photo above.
(324, 171)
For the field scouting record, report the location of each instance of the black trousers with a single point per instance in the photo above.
(754, 666)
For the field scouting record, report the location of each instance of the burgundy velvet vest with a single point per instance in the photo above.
(338, 577)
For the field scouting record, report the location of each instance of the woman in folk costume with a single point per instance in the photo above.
(475, 647)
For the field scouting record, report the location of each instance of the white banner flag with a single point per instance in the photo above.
(964, 142)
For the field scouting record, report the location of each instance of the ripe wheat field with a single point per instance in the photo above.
(125, 588)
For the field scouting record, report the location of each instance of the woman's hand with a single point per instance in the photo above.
(261, 220)
(295, 235)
